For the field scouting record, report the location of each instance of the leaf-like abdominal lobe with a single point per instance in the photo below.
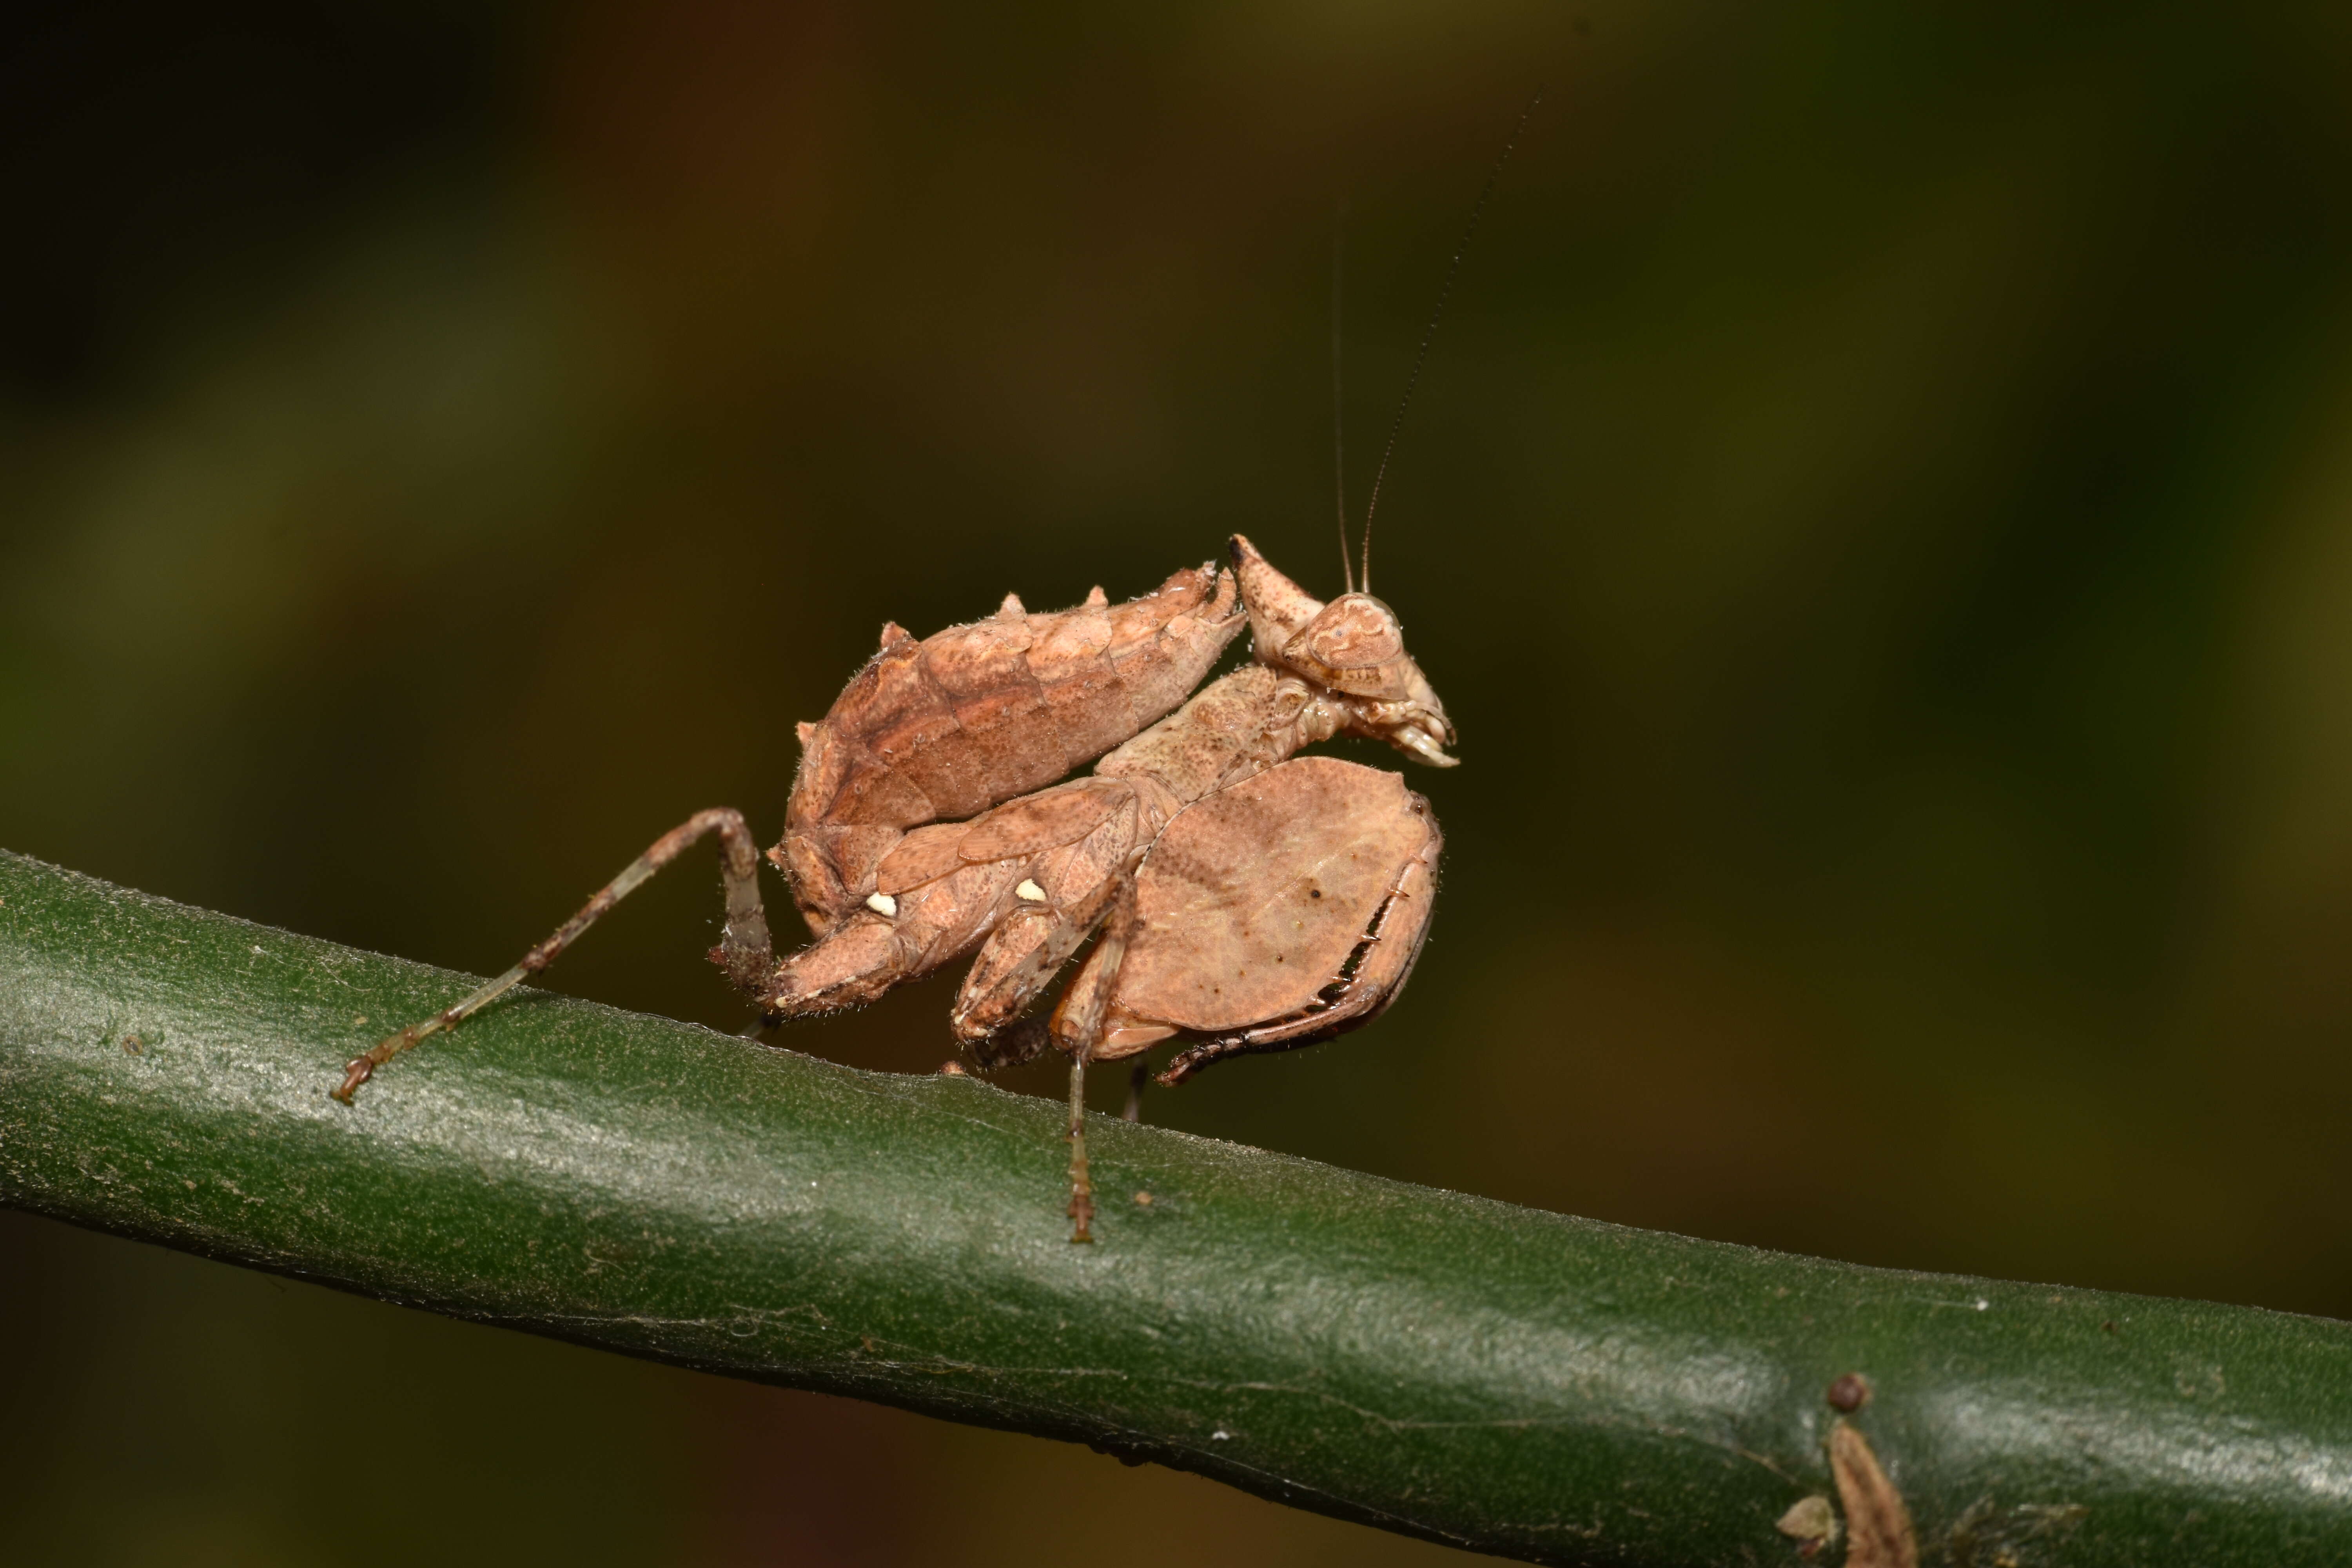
(1252, 900)
(941, 730)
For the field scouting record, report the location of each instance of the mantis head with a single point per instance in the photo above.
(1352, 648)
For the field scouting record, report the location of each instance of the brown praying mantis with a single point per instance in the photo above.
(1242, 898)
(1247, 898)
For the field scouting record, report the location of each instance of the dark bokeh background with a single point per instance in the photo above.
(1877, 508)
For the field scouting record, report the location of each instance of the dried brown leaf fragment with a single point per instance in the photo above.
(1810, 1522)
(1877, 1522)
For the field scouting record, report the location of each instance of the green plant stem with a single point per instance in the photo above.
(1516, 1382)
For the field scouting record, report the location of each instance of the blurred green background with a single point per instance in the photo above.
(1877, 509)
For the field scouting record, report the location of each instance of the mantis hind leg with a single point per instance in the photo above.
(746, 952)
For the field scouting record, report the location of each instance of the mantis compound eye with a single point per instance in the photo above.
(1354, 646)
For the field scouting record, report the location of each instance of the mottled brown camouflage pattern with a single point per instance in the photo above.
(1254, 899)
(1285, 910)
(942, 729)
(1205, 825)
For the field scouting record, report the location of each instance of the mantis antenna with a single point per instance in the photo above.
(1339, 384)
(1421, 357)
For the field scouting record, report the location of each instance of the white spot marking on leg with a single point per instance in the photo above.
(1030, 892)
(883, 904)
